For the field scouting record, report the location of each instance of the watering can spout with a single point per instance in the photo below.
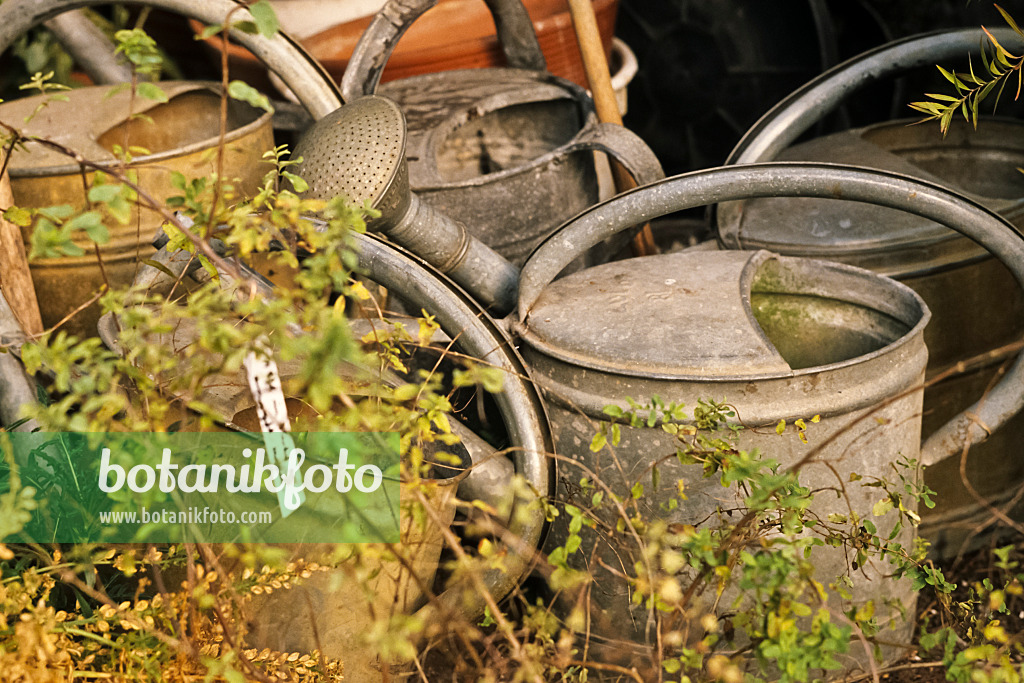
(447, 245)
(358, 151)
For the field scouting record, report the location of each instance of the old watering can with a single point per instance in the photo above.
(42, 179)
(776, 337)
(94, 124)
(975, 305)
(284, 620)
(505, 151)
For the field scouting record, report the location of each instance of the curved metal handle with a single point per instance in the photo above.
(90, 47)
(626, 146)
(828, 181)
(519, 402)
(804, 107)
(362, 75)
(283, 55)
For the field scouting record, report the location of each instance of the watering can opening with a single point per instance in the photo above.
(190, 118)
(713, 316)
(981, 162)
(810, 328)
(491, 141)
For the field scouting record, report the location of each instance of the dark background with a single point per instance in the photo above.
(710, 68)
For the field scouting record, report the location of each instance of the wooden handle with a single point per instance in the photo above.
(15, 279)
(599, 78)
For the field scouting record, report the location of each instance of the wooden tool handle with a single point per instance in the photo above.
(15, 279)
(600, 80)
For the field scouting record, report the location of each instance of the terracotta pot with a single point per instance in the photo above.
(428, 46)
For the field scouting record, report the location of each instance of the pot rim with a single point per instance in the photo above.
(233, 135)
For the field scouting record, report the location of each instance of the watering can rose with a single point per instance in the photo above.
(206, 478)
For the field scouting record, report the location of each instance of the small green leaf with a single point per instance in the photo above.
(241, 90)
(18, 216)
(298, 183)
(92, 223)
(266, 19)
(152, 91)
(246, 27)
(406, 392)
(104, 193)
(882, 507)
(57, 213)
(612, 411)
(209, 31)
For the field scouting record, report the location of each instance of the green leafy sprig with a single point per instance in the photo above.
(1001, 66)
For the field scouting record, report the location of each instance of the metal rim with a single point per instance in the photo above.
(232, 135)
(807, 105)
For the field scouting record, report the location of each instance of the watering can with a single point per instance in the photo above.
(44, 179)
(778, 338)
(975, 305)
(506, 151)
(284, 620)
(93, 123)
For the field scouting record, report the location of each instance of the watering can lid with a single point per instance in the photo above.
(81, 121)
(848, 231)
(669, 315)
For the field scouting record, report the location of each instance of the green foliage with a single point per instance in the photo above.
(738, 595)
(44, 83)
(190, 629)
(974, 642)
(999, 67)
(142, 53)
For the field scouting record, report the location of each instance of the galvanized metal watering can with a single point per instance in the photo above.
(45, 178)
(778, 338)
(975, 304)
(340, 616)
(506, 151)
(94, 124)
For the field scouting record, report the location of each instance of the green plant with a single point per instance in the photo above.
(741, 594)
(162, 630)
(1000, 67)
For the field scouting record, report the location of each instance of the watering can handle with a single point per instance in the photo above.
(519, 401)
(365, 66)
(282, 55)
(803, 179)
(623, 144)
(806, 106)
